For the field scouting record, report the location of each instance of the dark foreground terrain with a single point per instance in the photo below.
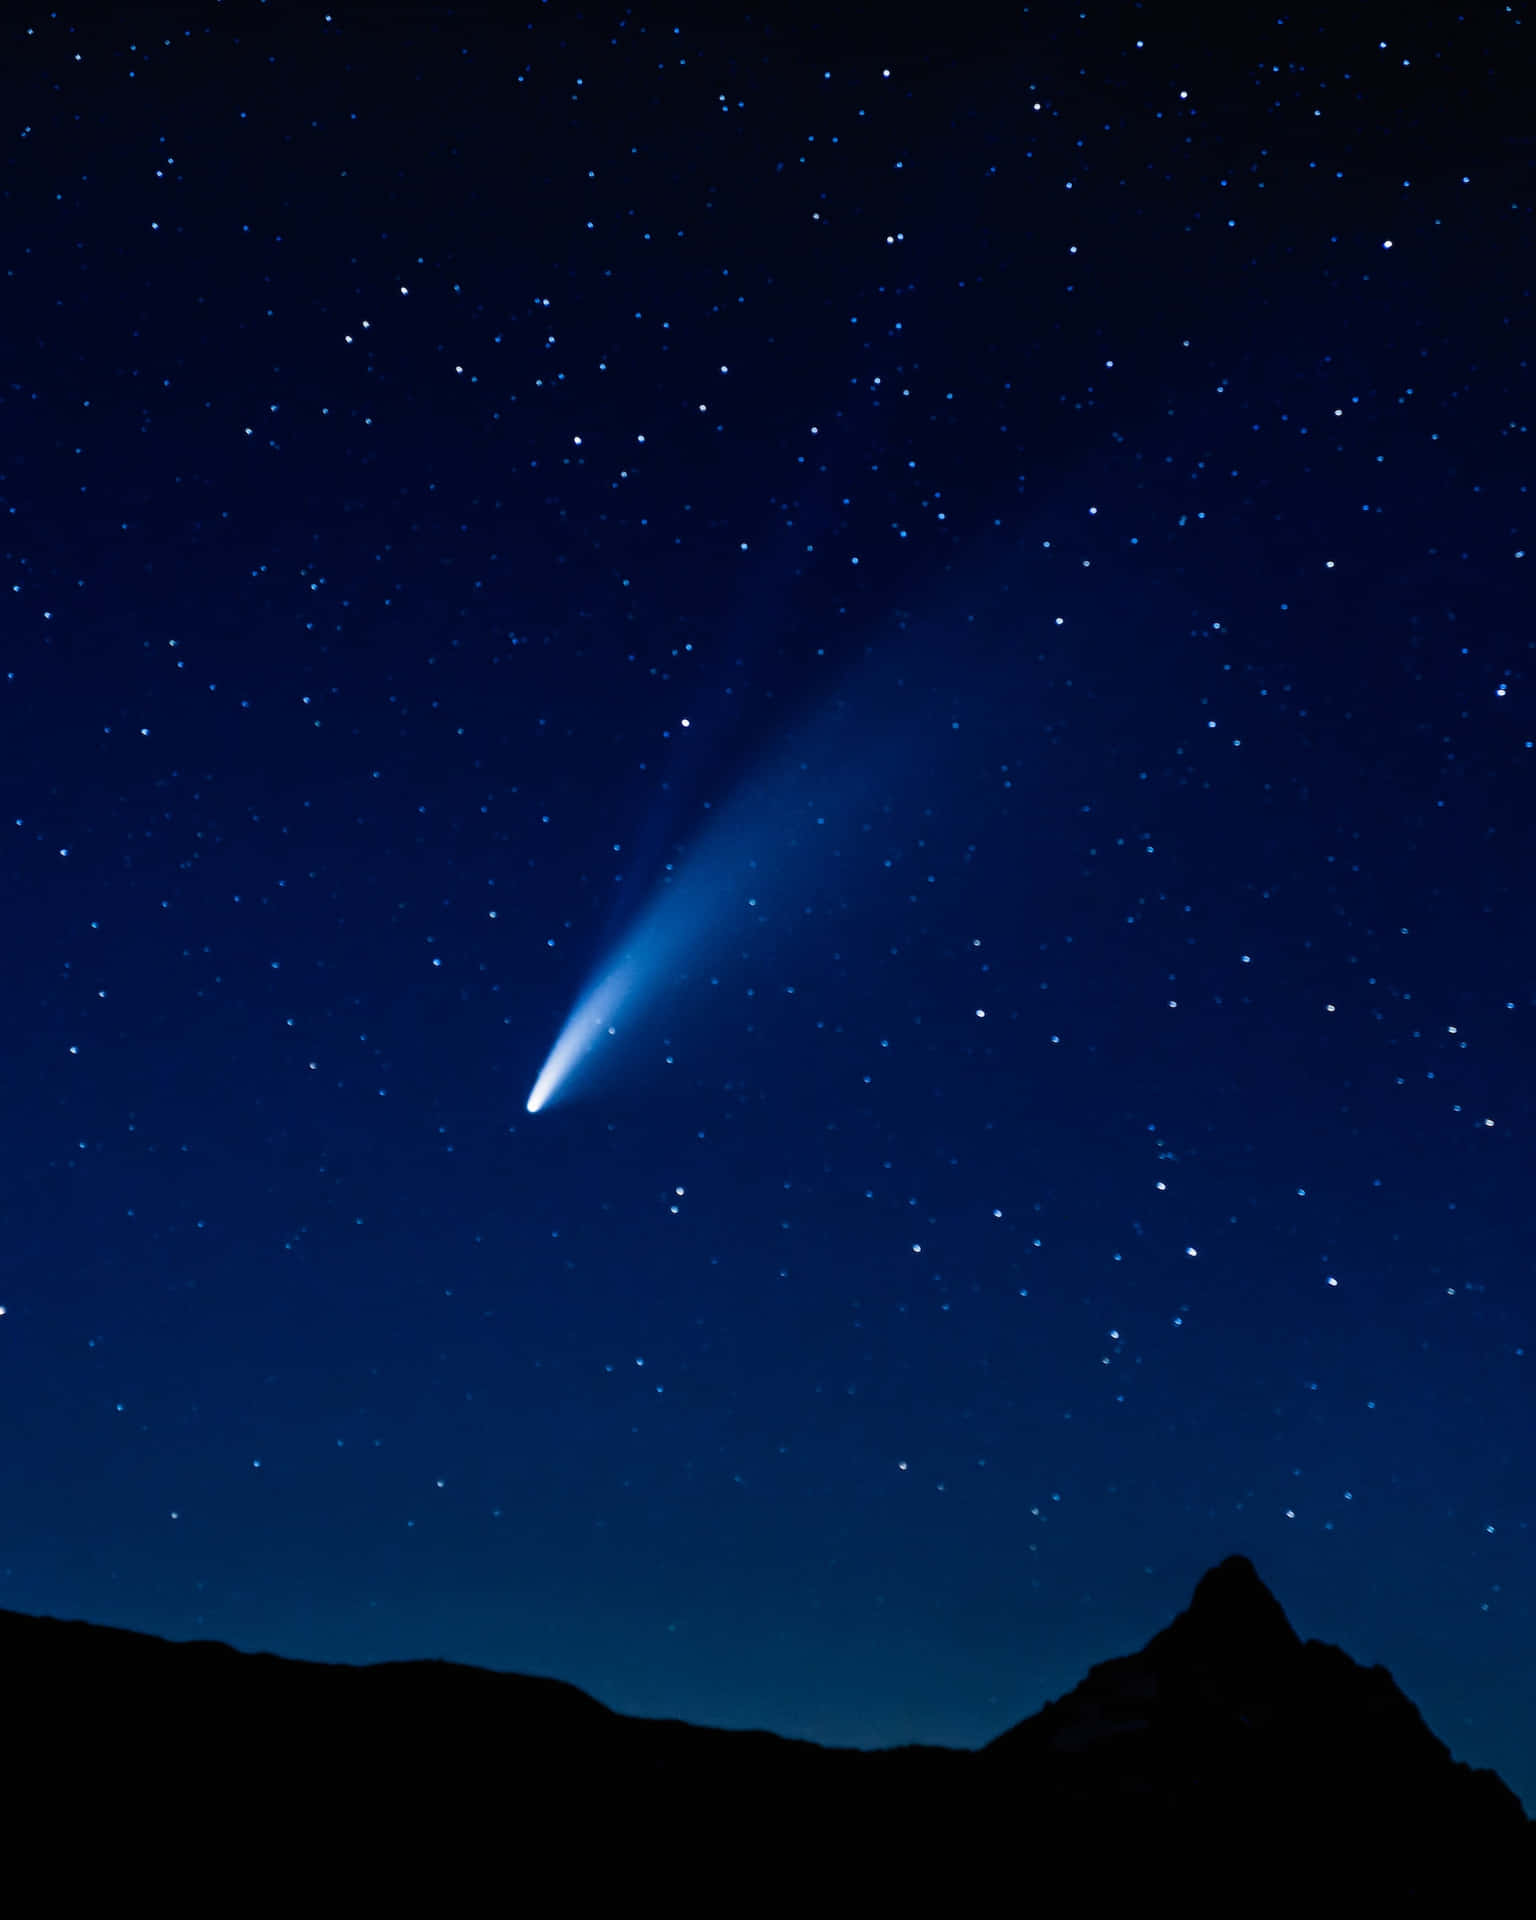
(1226, 1766)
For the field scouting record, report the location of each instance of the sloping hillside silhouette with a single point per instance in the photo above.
(1227, 1759)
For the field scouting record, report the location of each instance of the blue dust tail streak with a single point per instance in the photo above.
(581, 1032)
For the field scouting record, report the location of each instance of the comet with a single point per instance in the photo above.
(781, 848)
(715, 887)
(581, 1032)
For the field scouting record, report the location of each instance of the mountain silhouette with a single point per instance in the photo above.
(1228, 1761)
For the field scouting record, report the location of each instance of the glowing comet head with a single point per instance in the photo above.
(588, 1022)
(638, 972)
(780, 834)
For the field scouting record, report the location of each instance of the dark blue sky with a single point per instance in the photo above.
(1078, 1121)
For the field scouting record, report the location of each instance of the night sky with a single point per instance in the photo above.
(974, 593)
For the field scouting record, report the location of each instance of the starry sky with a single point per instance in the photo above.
(971, 591)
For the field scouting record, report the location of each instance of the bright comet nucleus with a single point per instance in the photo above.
(640, 970)
(759, 868)
(715, 886)
(588, 1021)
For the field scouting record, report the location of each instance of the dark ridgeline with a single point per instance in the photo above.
(1226, 1762)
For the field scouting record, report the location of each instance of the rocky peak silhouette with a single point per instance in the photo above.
(1227, 1753)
